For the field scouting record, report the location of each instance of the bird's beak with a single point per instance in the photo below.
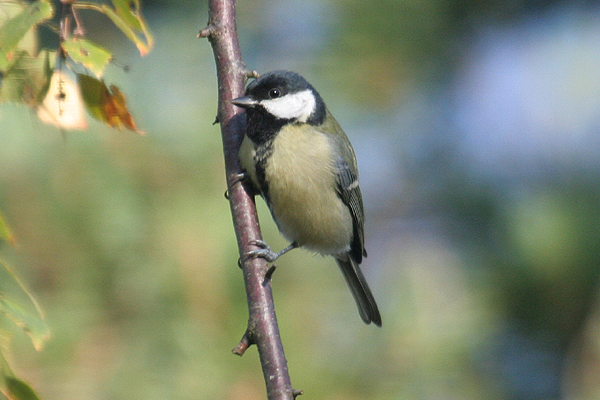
(245, 102)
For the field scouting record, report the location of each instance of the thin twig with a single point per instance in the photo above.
(243, 345)
(262, 328)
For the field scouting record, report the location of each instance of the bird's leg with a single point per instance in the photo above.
(266, 252)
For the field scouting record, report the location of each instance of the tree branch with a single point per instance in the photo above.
(262, 327)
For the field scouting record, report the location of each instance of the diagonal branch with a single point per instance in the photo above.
(262, 327)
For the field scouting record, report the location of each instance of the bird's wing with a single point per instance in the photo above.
(349, 192)
(347, 184)
(346, 177)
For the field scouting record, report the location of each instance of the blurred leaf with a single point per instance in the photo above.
(126, 16)
(28, 78)
(5, 369)
(88, 54)
(5, 233)
(63, 106)
(31, 322)
(11, 386)
(16, 389)
(10, 9)
(104, 104)
(129, 11)
(94, 93)
(15, 28)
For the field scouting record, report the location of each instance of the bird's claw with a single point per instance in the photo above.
(263, 252)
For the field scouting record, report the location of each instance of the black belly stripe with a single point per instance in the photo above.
(263, 152)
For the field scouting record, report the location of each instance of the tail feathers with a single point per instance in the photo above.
(367, 307)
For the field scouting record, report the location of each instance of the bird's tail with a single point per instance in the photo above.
(367, 307)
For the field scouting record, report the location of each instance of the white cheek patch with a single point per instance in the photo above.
(298, 106)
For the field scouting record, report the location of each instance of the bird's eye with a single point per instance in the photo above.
(274, 93)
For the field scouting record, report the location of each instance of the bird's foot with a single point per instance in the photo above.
(264, 251)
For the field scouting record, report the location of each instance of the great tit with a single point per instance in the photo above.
(300, 160)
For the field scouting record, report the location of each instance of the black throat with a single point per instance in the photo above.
(262, 127)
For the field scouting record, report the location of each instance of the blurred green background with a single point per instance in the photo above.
(476, 127)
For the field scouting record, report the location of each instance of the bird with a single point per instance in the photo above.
(298, 158)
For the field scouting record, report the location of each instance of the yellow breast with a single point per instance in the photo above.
(301, 176)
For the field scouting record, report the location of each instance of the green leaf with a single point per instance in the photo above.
(15, 28)
(87, 53)
(5, 233)
(5, 369)
(127, 17)
(93, 92)
(32, 324)
(12, 387)
(16, 389)
(30, 320)
(129, 10)
(28, 78)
